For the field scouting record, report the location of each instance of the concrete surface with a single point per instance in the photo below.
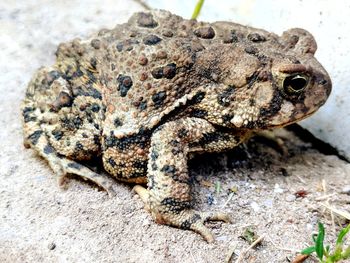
(326, 20)
(259, 187)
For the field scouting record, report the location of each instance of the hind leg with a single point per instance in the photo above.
(63, 127)
(63, 166)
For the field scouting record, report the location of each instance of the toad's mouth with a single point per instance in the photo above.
(291, 122)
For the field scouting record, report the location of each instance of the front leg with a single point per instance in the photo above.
(168, 196)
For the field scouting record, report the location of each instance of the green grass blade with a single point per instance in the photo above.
(308, 251)
(342, 234)
(197, 9)
(319, 241)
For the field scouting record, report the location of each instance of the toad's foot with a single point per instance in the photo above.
(168, 197)
(169, 214)
(62, 166)
(67, 166)
(276, 141)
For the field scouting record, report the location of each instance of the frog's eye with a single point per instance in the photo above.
(295, 84)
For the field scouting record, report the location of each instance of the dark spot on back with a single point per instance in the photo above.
(95, 43)
(63, 100)
(231, 37)
(205, 32)
(146, 20)
(227, 117)
(167, 33)
(157, 73)
(120, 46)
(182, 133)
(117, 122)
(27, 112)
(197, 98)
(251, 50)
(96, 139)
(126, 44)
(48, 149)
(159, 98)
(199, 113)
(169, 169)
(77, 122)
(125, 83)
(154, 166)
(57, 134)
(34, 137)
(111, 162)
(79, 147)
(255, 37)
(143, 105)
(251, 102)
(224, 98)
(169, 71)
(77, 74)
(154, 155)
(87, 91)
(95, 107)
(52, 75)
(151, 40)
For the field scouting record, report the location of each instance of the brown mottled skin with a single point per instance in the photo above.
(145, 94)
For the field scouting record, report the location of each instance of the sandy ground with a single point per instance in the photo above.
(271, 194)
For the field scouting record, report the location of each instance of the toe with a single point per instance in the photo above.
(108, 187)
(143, 193)
(203, 231)
(216, 216)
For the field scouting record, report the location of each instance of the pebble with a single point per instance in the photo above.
(290, 198)
(255, 206)
(51, 246)
(346, 190)
(268, 203)
(277, 189)
(222, 238)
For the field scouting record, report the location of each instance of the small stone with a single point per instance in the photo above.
(290, 198)
(277, 189)
(210, 199)
(346, 190)
(268, 203)
(51, 246)
(222, 238)
(146, 222)
(255, 206)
